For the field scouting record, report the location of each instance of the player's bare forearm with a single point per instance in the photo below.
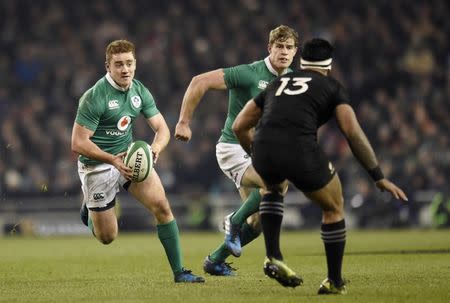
(362, 150)
(82, 145)
(199, 85)
(357, 140)
(191, 99)
(160, 142)
(90, 150)
(162, 134)
(161, 139)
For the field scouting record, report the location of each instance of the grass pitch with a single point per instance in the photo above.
(382, 266)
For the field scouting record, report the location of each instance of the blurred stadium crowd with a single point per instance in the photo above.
(393, 56)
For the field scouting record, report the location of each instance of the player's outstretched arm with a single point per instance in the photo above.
(162, 134)
(245, 122)
(357, 140)
(363, 151)
(199, 85)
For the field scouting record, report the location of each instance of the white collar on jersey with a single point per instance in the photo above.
(114, 84)
(271, 69)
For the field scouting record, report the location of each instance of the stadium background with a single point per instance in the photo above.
(391, 55)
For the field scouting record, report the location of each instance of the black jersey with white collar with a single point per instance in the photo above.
(296, 104)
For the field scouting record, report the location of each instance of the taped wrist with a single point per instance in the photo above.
(376, 174)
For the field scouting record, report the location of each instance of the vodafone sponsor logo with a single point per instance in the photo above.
(114, 133)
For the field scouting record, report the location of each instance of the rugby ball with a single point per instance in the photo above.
(140, 159)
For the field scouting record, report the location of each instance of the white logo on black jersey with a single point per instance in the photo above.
(331, 167)
(136, 101)
(262, 84)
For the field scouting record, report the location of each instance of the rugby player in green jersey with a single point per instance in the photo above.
(101, 134)
(243, 83)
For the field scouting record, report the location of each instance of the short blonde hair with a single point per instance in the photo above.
(282, 33)
(119, 47)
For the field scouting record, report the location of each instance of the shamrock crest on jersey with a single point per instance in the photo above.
(136, 101)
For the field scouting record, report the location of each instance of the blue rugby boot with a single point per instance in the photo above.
(186, 276)
(217, 268)
(232, 239)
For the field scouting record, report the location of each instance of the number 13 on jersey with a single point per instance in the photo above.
(297, 81)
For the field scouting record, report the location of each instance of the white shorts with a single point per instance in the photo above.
(100, 183)
(233, 161)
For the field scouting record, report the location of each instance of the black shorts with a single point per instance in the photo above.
(303, 164)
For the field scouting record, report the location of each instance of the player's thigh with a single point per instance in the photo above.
(329, 197)
(244, 192)
(236, 164)
(251, 178)
(152, 195)
(105, 222)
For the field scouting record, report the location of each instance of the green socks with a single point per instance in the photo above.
(169, 236)
(248, 208)
(220, 254)
(248, 234)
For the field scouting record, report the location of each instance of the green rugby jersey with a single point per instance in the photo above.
(244, 82)
(109, 111)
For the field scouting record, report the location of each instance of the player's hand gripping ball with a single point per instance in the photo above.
(140, 159)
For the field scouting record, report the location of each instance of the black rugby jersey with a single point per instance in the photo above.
(296, 104)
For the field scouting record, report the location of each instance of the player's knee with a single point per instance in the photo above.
(334, 208)
(333, 203)
(106, 241)
(106, 238)
(339, 204)
(161, 210)
(332, 216)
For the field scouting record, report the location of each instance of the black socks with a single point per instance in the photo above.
(271, 211)
(333, 236)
